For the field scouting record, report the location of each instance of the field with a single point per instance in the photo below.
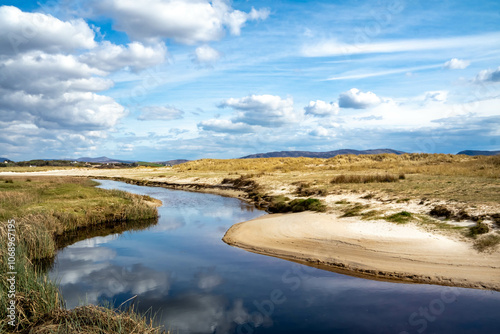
(45, 210)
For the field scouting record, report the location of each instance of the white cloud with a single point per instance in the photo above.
(185, 21)
(456, 64)
(110, 57)
(22, 32)
(488, 76)
(224, 126)
(160, 113)
(206, 55)
(356, 99)
(320, 132)
(336, 48)
(263, 110)
(436, 96)
(321, 108)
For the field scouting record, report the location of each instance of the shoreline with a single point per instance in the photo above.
(381, 252)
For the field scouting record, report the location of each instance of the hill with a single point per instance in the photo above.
(102, 160)
(323, 155)
(2, 159)
(473, 152)
(172, 162)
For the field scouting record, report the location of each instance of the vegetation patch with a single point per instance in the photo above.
(402, 217)
(441, 211)
(354, 210)
(368, 178)
(479, 228)
(44, 209)
(280, 204)
(487, 243)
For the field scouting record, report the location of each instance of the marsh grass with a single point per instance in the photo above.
(44, 209)
(402, 217)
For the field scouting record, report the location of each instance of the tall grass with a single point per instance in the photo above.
(366, 178)
(45, 209)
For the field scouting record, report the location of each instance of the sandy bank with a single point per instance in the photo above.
(369, 248)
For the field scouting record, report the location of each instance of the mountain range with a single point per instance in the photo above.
(473, 152)
(323, 155)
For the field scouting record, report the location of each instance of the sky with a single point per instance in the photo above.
(156, 80)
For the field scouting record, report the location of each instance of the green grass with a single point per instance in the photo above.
(45, 209)
(402, 217)
(281, 204)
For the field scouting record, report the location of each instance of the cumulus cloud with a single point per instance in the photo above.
(456, 64)
(356, 99)
(320, 132)
(22, 32)
(206, 55)
(263, 110)
(160, 113)
(136, 56)
(321, 108)
(488, 76)
(187, 22)
(224, 126)
(46, 86)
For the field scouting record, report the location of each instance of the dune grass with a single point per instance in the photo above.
(45, 208)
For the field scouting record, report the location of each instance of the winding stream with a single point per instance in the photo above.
(195, 283)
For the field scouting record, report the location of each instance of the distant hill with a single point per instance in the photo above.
(101, 160)
(472, 152)
(323, 155)
(172, 162)
(4, 159)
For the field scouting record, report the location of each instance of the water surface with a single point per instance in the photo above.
(184, 272)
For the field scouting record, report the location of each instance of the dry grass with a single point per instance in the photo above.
(366, 178)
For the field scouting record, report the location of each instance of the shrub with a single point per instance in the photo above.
(479, 228)
(441, 211)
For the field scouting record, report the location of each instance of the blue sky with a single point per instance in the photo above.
(165, 79)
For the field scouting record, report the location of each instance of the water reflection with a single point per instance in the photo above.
(194, 283)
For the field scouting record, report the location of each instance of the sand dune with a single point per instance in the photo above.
(373, 248)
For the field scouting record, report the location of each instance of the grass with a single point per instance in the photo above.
(281, 204)
(366, 178)
(46, 208)
(479, 228)
(487, 243)
(402, 217)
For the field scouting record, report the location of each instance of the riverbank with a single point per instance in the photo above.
(38, 215)
(376, 249)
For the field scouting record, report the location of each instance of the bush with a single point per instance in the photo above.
(479, 228)
(441, 211)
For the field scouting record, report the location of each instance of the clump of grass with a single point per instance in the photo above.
(479, 228)
(354, 210)
(95, 319)
(487, 242)
(342, 202)
(402, 217)
(368, 178)
(280, 205)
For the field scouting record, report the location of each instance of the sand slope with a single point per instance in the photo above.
(372, 248)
